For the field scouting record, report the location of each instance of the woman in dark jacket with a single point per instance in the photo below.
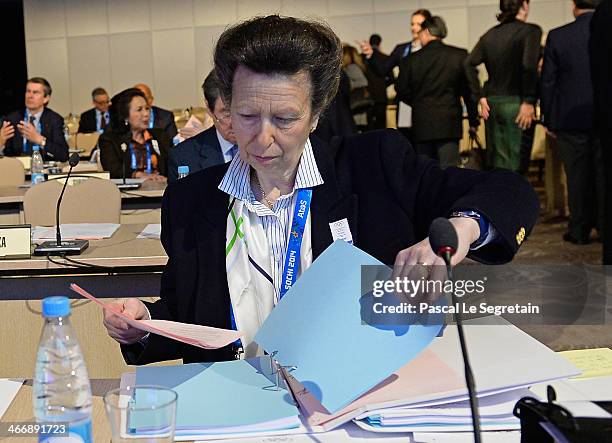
(510, 52)
(129, 148)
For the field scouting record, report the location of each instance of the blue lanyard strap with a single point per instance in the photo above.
(298, 224)
(292, 259)
(133, 155)
(151, 118)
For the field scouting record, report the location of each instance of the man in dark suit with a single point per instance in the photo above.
(383, 65)
(432, 82)
(601, 71)
(34, 125)
(377, 85)
(212, 147)
(97, 118)
(160, 118)
(567, 109)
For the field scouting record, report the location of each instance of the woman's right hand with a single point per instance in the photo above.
(484, 108)
(525, 116)
(118, 328)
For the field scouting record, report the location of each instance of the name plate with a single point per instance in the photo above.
(15, 241)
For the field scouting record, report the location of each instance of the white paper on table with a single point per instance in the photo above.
(466, 437)
(205, 337)
(193, 122)
(152, 230)
(592, 389)
(76, 231)
(404, 119)
(129, 181)
(9, 387)
(585, 409)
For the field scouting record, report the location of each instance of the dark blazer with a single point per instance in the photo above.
(198, 152)
(383, 64)
(566, 91)
(52, 127)
(88, 121)
(337, 120)
(601, 64)
(432, 81)
(510, 52)
(388, 194)
(377, 84)
(112, 157)
(164, 120)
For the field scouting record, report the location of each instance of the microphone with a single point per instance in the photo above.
(70, 247)
(124, 184)
(443, 240)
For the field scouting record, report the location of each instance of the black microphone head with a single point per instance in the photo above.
(74, 159)
(442, 235)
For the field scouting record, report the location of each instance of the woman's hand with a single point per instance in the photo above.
(118, 328)
(485, 109)
(525, 116)
(6, 132)
(419, 261)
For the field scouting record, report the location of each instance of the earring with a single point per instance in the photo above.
(125, 122)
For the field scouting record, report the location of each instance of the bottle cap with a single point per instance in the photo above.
(56, 306)
(183, 169)
(35, 148)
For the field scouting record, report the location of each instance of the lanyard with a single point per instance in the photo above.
(292, 259)
(135, 163)
(151, 118)
(38, 129)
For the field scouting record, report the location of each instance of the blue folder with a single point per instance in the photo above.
(318, 327)
(216, 398)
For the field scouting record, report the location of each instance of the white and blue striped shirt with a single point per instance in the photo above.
(276, 221)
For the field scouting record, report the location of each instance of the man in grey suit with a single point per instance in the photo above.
(214, 146)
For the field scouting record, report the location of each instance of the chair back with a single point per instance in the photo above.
(12, 172)
(91, 200)
(87, 142)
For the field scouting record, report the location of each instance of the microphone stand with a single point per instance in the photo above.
(445, 253)
(70, 247)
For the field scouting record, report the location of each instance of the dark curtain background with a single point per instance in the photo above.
(13, 69)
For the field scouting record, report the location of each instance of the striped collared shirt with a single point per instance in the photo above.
(276, 222)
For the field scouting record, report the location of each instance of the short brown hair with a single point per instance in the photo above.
(43, 82)
(282, 45)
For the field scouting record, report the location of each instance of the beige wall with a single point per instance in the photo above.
(81, 44)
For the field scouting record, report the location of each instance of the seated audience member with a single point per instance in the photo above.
(159, 118)
(214, 146)
(34, 125)
(130, 143)
(98, 117)
(386, 194)
(433, 81)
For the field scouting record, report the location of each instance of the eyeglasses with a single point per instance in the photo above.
(102, 102)
(225, 117)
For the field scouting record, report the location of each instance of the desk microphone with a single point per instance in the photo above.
(123, 150)
(443, 240)
(124, 184)
(67, 247)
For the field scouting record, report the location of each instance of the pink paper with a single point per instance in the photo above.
(202, 336)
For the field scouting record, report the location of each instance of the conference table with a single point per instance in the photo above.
(120, 266)
(146, 198)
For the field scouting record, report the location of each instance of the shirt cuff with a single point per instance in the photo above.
(488, 233)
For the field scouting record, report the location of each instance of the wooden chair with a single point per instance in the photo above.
(87, 201)
(12, 172)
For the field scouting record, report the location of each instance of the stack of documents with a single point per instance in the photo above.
(76, 231)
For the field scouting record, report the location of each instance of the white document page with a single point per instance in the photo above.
(76, 231)
(152, 230)
(9, 387)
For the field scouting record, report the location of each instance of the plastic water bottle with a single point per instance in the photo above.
(183, 171)
(37, 167)
(61, 390)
